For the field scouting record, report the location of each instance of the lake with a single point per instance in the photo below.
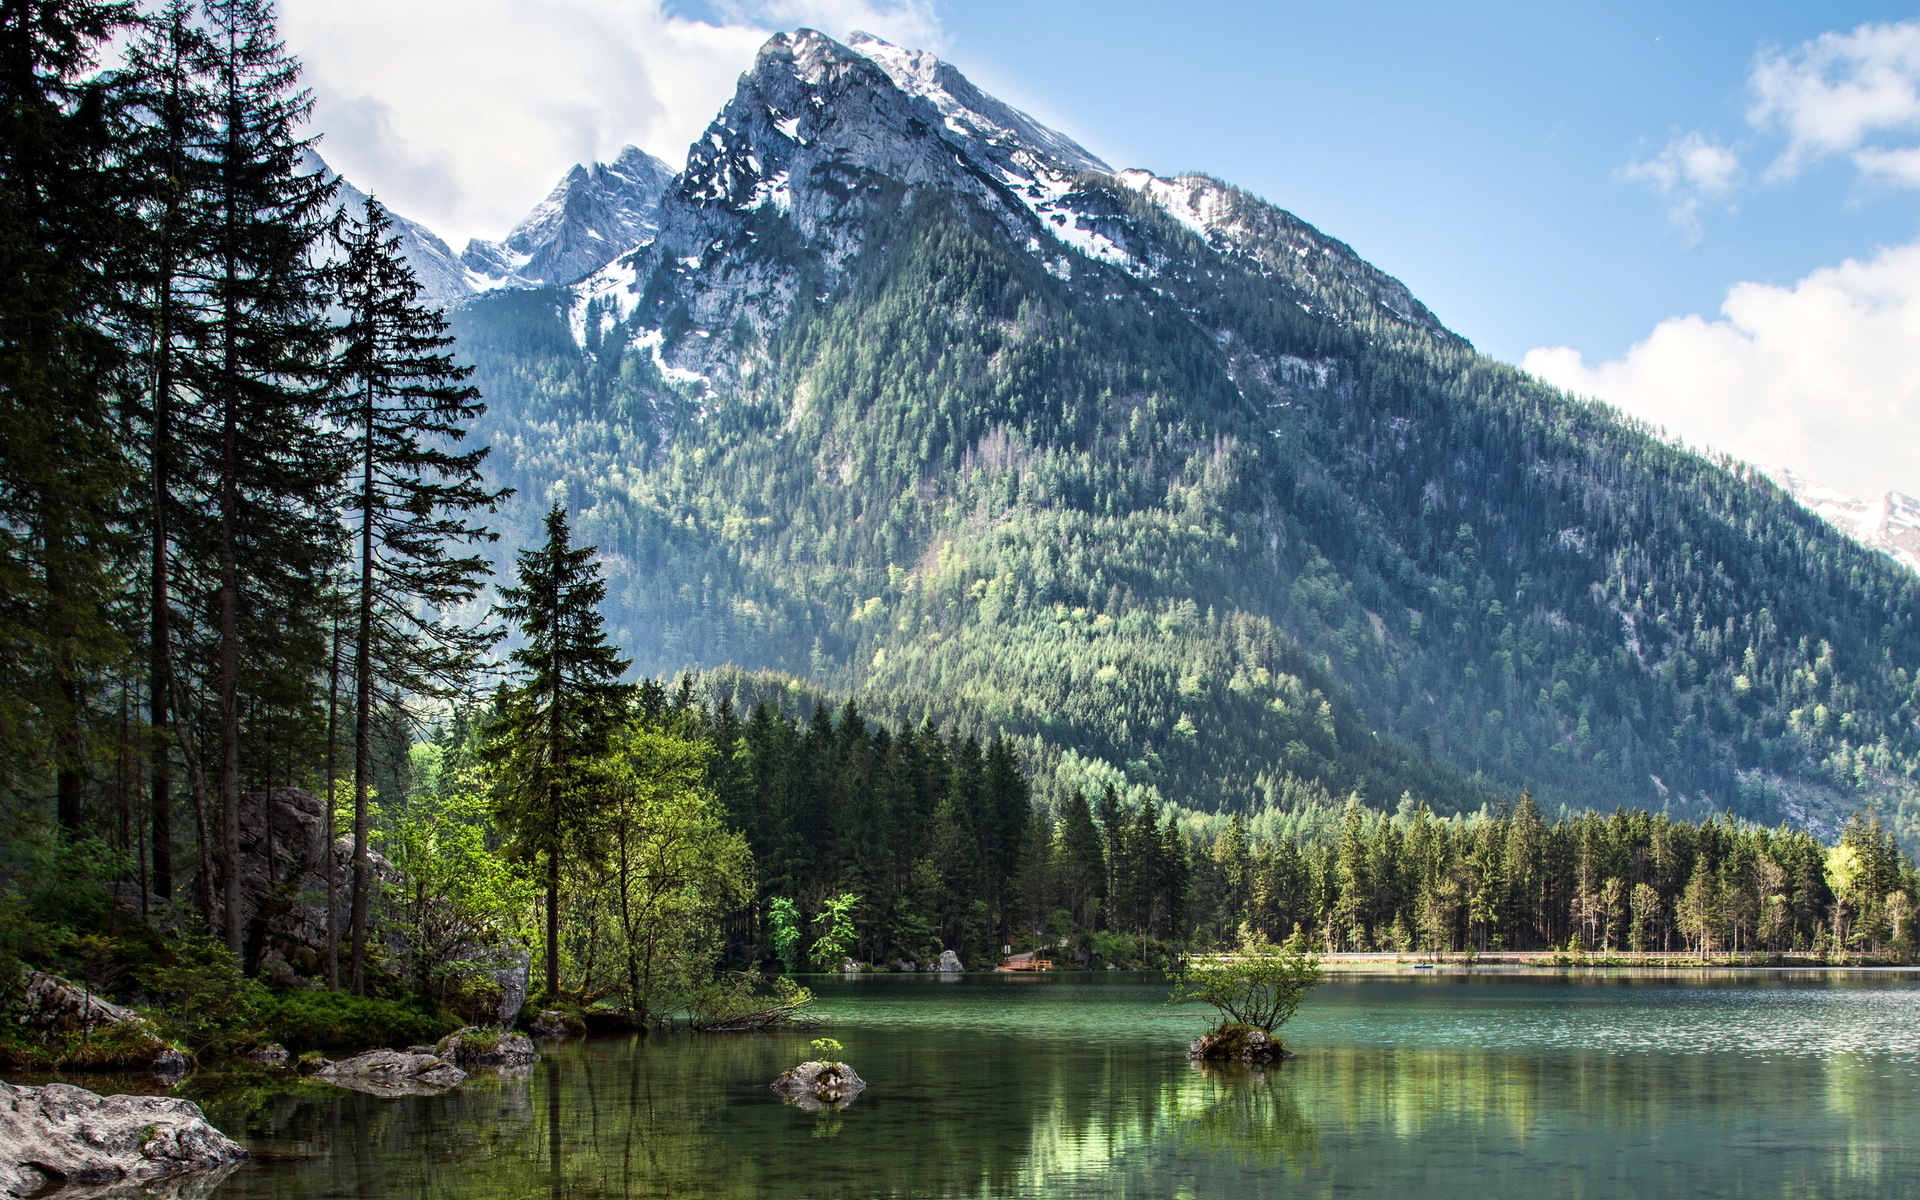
(1441, 1086)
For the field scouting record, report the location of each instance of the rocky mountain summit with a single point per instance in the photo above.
(596, 212)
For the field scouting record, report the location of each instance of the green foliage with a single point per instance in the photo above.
(835, 923)
(210, 1004)
(667, 867)
(826, 1050)
(321, 1020)
(454, 896)
(747, 1000)
(1257, 984)
(784, 918)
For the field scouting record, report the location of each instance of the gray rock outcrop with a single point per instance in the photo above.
(949, 962)
(49, 1005)
(475, 1047)
(59, 1134)
(815, 1085)
(392, 1073)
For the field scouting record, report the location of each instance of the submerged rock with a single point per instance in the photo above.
(949, 962)
(474, 1047)
(814, 1085)
(1239, 1043)
(60, 1134)
(391, 1073)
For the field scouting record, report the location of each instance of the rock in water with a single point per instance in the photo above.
(62, 1134)
(474, 1047)
(814, 1085)
(553, 1022)
(849, 967)
(949, 961)
(392, 1073)
(1240, 1043)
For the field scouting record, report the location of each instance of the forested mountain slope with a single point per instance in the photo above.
(914, 398)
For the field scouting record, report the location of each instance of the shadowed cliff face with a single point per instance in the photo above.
(912, 397)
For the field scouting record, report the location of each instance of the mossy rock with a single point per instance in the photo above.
(1235, 1042)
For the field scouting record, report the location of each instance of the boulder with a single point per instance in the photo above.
(849, 967)
(59, 1134)
(552, 1022)
(1239, 1043)
(391, 1073)
(475, 1047)
(92, 1033)
(949, 962)
(505, 966)
(906, 966)
(814, 1085)
(272, 1054)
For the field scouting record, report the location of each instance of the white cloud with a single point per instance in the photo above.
(1691, 171)
(1837, 93)
(1822, 376)
(462, 113)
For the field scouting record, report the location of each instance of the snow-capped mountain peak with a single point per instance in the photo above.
(967, 110)
(1890, 524)
(594, 214)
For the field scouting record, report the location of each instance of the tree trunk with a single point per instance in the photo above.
(363, 716)
(333, 721)
(160, 602)
(553, 924)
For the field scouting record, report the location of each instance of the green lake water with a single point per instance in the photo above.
(1433, 1087)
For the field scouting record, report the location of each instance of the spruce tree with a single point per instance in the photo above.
(402, 403)
(265, 379)
(558, 720)
(166, 94)
(61, 473)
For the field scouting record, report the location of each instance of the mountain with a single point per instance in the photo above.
(443, 281)
(593, 214)
(1890, 524)
(910, 397)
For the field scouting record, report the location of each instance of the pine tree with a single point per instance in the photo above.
(402, 401)
(558, 720)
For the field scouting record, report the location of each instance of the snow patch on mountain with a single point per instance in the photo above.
(1890, 524)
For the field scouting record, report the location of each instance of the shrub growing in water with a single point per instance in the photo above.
(1260, 985)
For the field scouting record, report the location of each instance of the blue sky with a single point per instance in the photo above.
(1703, 212)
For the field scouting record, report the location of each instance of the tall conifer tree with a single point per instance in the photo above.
(61, 226)
(266, 378)
(559, 719)
(403, 402)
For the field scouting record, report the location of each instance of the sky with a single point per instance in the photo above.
(1707, 214)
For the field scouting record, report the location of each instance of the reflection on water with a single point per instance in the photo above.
(1079, 1088)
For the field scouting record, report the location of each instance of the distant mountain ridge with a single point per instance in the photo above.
(900, 393)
